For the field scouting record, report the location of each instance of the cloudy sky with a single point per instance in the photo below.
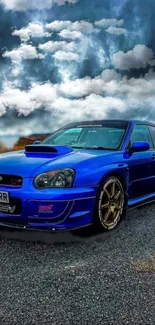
(67, 60)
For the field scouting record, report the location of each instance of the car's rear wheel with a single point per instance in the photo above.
(109, 205)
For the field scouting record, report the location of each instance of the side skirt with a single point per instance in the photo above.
(138, 202)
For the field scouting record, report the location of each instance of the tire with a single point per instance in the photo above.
(110, 204)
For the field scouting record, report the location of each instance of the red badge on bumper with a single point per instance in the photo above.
(45, 208)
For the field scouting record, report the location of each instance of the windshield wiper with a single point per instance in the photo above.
(75, 147)
(96, 148)
(92, 148)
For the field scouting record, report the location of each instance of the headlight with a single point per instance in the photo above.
(56, 178)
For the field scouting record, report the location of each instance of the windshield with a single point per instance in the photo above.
(89, 136)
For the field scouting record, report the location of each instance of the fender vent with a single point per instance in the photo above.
(10, 180)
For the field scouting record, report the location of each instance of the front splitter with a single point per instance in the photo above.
(29, 228)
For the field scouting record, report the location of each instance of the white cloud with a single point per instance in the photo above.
(94, 106)
(2, 107)
(58, 25)
(43, 94)
(116, 30)
(52, 46)
(109, 75)
(109, 22)
(81, 26)
(16, 70)
(140, 57)
(106, 83)
(32, 30)
(82, 98)
(66, 56)
(23, 5)
(63, 2)
(65, 33)
(150, 75)
(47, 96)
(110, 83)
(19, 100)
(26, 102)
(78, 88)
(24, 52)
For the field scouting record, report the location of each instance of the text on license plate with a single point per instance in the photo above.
(4, 197)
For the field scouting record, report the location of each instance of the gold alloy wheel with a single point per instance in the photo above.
(111, 203)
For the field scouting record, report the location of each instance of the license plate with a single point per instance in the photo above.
(4, 197)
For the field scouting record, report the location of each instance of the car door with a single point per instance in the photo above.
(140, 164)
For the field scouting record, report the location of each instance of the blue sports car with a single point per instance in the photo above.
(86, 173)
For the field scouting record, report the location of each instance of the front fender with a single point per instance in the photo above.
(96, 176)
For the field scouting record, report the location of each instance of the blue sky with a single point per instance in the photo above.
(62, 61)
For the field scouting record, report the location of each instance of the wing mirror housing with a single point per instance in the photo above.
(139, 146)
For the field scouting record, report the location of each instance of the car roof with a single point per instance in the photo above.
(114, 121)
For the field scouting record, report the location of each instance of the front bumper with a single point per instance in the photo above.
(49, 209)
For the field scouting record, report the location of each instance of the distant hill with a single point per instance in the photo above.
(3, 148)
(23, 141)
(38, 137)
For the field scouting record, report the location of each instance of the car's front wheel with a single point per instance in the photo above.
(110, 204)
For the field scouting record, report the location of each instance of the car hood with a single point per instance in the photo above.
(37, 159)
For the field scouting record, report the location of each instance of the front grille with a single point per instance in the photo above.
(11, 180)
(12, 208)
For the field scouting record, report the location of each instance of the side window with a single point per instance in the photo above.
(141, 133)
(152, 130)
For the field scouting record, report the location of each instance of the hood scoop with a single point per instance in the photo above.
(47, 150)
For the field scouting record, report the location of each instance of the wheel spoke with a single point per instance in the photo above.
(117, 195)
(108, 194)
(113, 214)
(117, 206)
(113, 189)
(107, 215)
(105, 205)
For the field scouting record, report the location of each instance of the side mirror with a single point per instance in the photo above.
(36, 142)
(139, 146)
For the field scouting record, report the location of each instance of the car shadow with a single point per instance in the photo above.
(47, 236)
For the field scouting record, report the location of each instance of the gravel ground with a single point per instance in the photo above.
(82, 280)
